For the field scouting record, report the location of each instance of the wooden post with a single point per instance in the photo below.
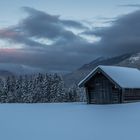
(122, 94)
(87, 96)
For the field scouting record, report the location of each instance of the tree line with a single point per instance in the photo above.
(39, 88)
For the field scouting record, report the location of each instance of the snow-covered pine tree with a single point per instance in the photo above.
(46, 88)
(75, 94)
(72, 94)
(30, 88)
(53, 88)
(9, 89)
(60, 92)
(3, 96)
(25, 93)
(56, 89)
(18, 89)
(38, 88)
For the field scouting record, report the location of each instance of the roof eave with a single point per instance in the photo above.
(85, 80)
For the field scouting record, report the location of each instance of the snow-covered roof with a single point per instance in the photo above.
(123, 76)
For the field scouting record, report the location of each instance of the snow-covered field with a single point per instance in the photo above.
(69, 122)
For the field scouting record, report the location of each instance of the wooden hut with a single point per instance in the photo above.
(112, 84)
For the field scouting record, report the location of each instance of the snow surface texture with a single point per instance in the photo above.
(124, 76)
(69, 122)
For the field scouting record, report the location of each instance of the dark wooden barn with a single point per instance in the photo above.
(112, 84)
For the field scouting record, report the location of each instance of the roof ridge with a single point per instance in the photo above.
(116, 66)
(124, 76)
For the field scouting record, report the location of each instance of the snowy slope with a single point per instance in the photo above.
(69, 122)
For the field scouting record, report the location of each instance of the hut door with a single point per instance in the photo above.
(106, 91)
(106, 95)
(102, 94)
(102, 90)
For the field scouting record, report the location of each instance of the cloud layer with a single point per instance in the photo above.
(55, 44)
(122, 37)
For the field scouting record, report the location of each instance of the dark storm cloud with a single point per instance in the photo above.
(15, 37)
(68, 50)
(41, 25)
(73, 24)
(122, 37)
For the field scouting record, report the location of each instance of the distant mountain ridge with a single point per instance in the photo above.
(132, 61)
(18, 69)
(126, 60)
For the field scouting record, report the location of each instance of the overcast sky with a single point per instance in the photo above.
(62, 35)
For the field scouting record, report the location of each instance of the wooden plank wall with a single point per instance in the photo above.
(101, 91)
(131, 95)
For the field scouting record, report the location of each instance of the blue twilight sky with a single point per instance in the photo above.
(61, 35)
(73, 9)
